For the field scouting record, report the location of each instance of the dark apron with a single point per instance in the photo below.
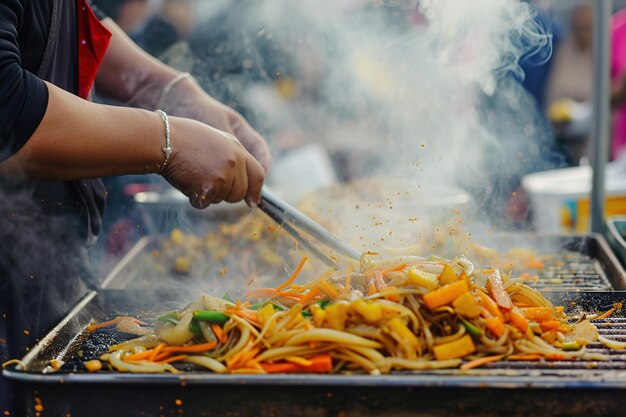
(46, 226)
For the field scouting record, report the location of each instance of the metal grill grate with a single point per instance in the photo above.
(611, 328)
(570, 271)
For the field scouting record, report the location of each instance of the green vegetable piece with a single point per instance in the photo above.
(471, 329)
(569, 346)
(215, 317)
(306, 314)
(172, 317)
(195, 328)
(324, 303)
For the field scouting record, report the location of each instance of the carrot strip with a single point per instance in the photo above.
(371, 288)
(139, 356)
(156, 351)
(310, 296)
(174, 359)
(495, 326)
(290, 294)
(490, 305)
(190, 349)
(522, 357)
(320, 363)
(94, 327)
(392, 297)
(249, 315)
(394, 269)
(219, 333)
(328, 289)
(607, 314)
(481, 361)
(293, 276)
(260, 293)
(162, 356)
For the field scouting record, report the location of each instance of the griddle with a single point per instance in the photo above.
(553, 388)
(558, 388)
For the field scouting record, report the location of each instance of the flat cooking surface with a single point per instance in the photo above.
(66, 342)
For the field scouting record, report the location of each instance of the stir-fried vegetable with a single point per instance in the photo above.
(406, 313)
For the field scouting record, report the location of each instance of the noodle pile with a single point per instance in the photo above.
(402, 313)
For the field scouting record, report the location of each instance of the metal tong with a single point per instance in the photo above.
(296, 223)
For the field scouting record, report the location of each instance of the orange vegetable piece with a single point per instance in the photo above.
(456, 349)
(447, 276)
(445, 295)
(538, 314)
(320, 363)
(548, 325)
(518, 321)
(495, 326)
(490, 305)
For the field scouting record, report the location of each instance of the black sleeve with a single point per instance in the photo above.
(23, 96)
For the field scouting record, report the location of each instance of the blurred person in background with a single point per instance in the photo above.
(130, 15)
(537, 66)
(618, 75)
(55, 145)
(570, 85)
(172, 23)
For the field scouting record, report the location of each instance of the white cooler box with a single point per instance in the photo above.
(560, 198)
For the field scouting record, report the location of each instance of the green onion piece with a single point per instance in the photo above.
(279, 307)
(324, 303)
(211, 316)
(306, 314)
(172, 317)
(471, 329)
(194, 328)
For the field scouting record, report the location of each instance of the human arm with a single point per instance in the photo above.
(78, 139)
(130, 75)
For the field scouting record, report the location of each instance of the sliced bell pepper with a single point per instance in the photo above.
(400, 328)
(371, 311)
(466, 305)
(445, 295)
(495, 326)
(447, 276)
(539, 314)
(422, 279)
(336, 315)
(518, 320)
(456, 349)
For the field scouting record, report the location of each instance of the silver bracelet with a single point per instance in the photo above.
(168, 87)
(167, 149)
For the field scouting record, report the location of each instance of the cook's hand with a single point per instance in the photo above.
(188, 99)
(210, 166)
